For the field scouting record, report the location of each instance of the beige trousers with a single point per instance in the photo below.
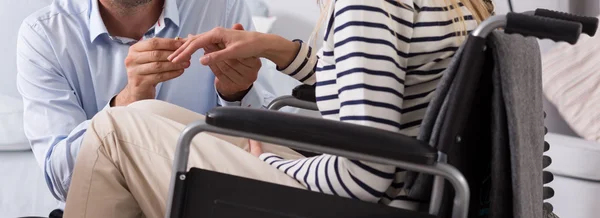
(123, 168)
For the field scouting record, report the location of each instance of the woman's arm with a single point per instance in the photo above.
(278, 49)
(292, 57)
(368, 65)
(238, 44)
(303, 65)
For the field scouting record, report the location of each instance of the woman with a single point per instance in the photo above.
(379, 67)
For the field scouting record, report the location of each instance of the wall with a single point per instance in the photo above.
(296, 19)
(15, 12)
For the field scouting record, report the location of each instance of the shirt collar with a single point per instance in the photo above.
(98, 28)
(171, 11)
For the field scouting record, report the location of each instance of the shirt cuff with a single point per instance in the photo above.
(107, 106)
(252, 99)
(300, 56)
(269, 158)
(303, 66)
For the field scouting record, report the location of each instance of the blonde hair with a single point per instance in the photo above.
(481, 10)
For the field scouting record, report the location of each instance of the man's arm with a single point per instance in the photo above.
(54, 120)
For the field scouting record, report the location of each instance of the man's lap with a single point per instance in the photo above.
(156, 126)
(149, 129)
(185, 117)
(140, 145)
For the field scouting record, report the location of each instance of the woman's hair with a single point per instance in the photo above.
(481, 10)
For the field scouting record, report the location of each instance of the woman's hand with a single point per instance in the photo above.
(237, 44)
(255, 147)
(233, 77)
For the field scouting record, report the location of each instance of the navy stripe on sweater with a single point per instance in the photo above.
(373, 9)
(372, 88)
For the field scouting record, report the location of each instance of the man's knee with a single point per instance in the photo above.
(149, 104)
(167, 110)
(112, 119)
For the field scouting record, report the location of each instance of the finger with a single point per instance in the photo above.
(220, 76)
(210, 49)
(157, 44)
(214, 36)
(255, 147)
(238, 72)
(219, 56)
(228, 70)
(159, 67)
(238, 26)
(252, 62)
(164, 76)
(183, 40)
(184, 48)
(201, 41)
(152, 56)
(242, 69)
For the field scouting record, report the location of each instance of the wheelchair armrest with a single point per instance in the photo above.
(305, 93)
(328, 135)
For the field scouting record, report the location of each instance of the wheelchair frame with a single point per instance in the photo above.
(440, 169)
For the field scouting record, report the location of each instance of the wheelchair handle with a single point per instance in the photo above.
(305, 93)
(543, 27)
(589, 24)
(528, 25)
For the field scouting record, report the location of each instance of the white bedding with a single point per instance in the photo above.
(23, 190)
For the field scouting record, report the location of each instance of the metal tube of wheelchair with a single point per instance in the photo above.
(180, 162)
(528, 25)
(489, 25)
(437, 190)
(450, 173)
(291, 101)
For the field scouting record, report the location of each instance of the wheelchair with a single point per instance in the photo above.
(455, 151)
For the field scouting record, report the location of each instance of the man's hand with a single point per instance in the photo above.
(235, 77)
(255, 147)
(147, 65)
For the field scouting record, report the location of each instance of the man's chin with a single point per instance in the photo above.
(131, 3)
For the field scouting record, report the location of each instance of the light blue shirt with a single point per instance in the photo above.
(69, 67)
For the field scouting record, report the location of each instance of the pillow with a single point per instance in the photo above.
(12, 136)
(571, 81)
(263, 24)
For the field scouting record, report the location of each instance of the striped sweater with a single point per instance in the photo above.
(379, 67)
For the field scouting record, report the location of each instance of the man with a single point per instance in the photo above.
(77, 58)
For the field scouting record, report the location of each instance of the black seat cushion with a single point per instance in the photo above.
(217, 195)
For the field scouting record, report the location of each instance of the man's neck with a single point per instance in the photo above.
(130, 22)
